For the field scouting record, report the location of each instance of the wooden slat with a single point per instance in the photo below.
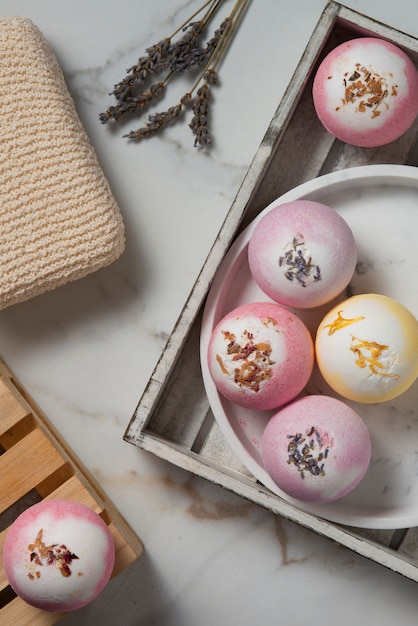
(18, 613)
(3, 579)
(25, 465)
(36, 459)
(11, 410)
(73, 489)
(19, 430)
(124, 553)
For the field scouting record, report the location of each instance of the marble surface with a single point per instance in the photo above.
(85, 351)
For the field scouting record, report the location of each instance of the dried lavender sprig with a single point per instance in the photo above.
(160, 57)
(214, 51)
(156, 121)
(233, 19)
(181, 48)
(198, 55)
(133, 104)
(180, 54)
(164, 54)
(199, 122)
(139, 72)
(214, 5)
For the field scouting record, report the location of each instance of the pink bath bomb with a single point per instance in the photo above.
(316, 449)
(58, 555)
(365, 92)
(302, 254)
(260, 355)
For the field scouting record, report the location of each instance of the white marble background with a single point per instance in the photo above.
(86, 351)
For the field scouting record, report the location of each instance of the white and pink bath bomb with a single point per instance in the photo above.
(58, 555)
(365, 92)
(260, 355)
(316, 449)
(302, 254)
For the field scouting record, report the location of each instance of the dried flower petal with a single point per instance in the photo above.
(58, 555)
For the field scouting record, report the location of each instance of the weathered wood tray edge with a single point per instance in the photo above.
(248, 202)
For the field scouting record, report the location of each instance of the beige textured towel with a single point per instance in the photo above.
(58, 218)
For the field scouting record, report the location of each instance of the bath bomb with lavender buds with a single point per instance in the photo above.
(260, 355)
(316, 449)
(58, 555)
(367, 348)
(302, 254)
(365, 92)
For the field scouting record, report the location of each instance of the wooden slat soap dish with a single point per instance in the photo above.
(35, 464)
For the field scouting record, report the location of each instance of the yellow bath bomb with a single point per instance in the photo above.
(367, 348)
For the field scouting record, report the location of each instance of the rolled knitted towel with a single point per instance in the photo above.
(58, 218)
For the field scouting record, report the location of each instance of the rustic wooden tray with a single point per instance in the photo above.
(35, 464)
(173, 419)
